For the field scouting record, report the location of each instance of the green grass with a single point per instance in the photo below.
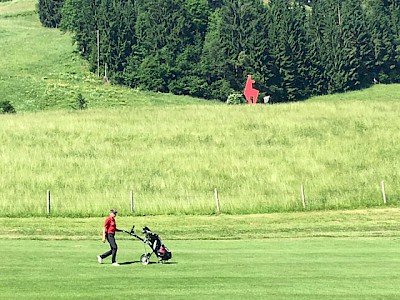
(41, 70)
(247, 269)
(173, 151)
(365, 223)
(309, 255)
(173, 157)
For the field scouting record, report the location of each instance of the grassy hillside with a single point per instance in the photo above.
(173, 151)
(40, 70)
(173, 157)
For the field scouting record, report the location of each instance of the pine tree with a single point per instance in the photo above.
(287, 41)
(331, 44)
(214, 69)
(315, 67)
(357, 50)
(161, 23)
(116, 24)
(235, 46)
(50, 12)
(187, 69)
(79, 17)
(394, 9)
(382, 38)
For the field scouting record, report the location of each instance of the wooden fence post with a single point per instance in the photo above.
(132, 203)
(48, 202)
(98, 52)
(383, 192)
(217, 200)
(303, 197)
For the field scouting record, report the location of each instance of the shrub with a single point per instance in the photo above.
(7, 108)
(220, 89)
(189, 85)
(235, 98)
(80, 102)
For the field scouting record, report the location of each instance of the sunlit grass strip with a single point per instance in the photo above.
(372, 222)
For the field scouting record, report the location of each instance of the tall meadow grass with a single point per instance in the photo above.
(173, 157)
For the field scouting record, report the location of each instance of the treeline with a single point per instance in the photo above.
(206, 48)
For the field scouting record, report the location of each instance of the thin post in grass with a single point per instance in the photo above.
(105, 79)
(303, 196)
(98, 52)
(48, 202)
(383, 192)
(217, 200)
(132, 203)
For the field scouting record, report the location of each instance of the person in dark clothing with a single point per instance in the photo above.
(110, 227)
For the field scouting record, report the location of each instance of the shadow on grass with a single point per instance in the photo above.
(129, 262)
(150, 263)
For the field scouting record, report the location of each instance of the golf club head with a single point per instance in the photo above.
(145, 230)
(133, 229)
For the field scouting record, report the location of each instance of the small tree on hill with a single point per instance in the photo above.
(80, 102)
(7, 108)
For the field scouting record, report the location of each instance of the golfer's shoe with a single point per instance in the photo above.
(115, 264)
(99, 259)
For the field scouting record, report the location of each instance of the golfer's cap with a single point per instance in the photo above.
(113, 211)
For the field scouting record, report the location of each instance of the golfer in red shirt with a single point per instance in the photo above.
(110, 227)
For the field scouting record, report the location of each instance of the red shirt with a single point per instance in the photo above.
(110, 225)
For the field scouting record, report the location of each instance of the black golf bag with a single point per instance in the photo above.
(155, 243)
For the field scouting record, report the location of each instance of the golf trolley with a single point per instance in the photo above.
(154, 242)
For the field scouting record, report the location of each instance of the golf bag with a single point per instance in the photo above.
(155, 243)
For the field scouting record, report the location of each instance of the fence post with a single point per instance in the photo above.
(48, 202)
(303, 197)
(132, 203)
(217, 200)
(98, 52)
(383, 192)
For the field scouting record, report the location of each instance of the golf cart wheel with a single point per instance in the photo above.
(144, 259)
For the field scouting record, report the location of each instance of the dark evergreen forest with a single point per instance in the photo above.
(206, 48)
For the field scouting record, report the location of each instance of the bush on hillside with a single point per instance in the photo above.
(220, 89)
(235, 98)
(189, 85)
(79, 103)
(7, 108)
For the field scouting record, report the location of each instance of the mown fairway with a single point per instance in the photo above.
(247, 269)
(311, 255)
